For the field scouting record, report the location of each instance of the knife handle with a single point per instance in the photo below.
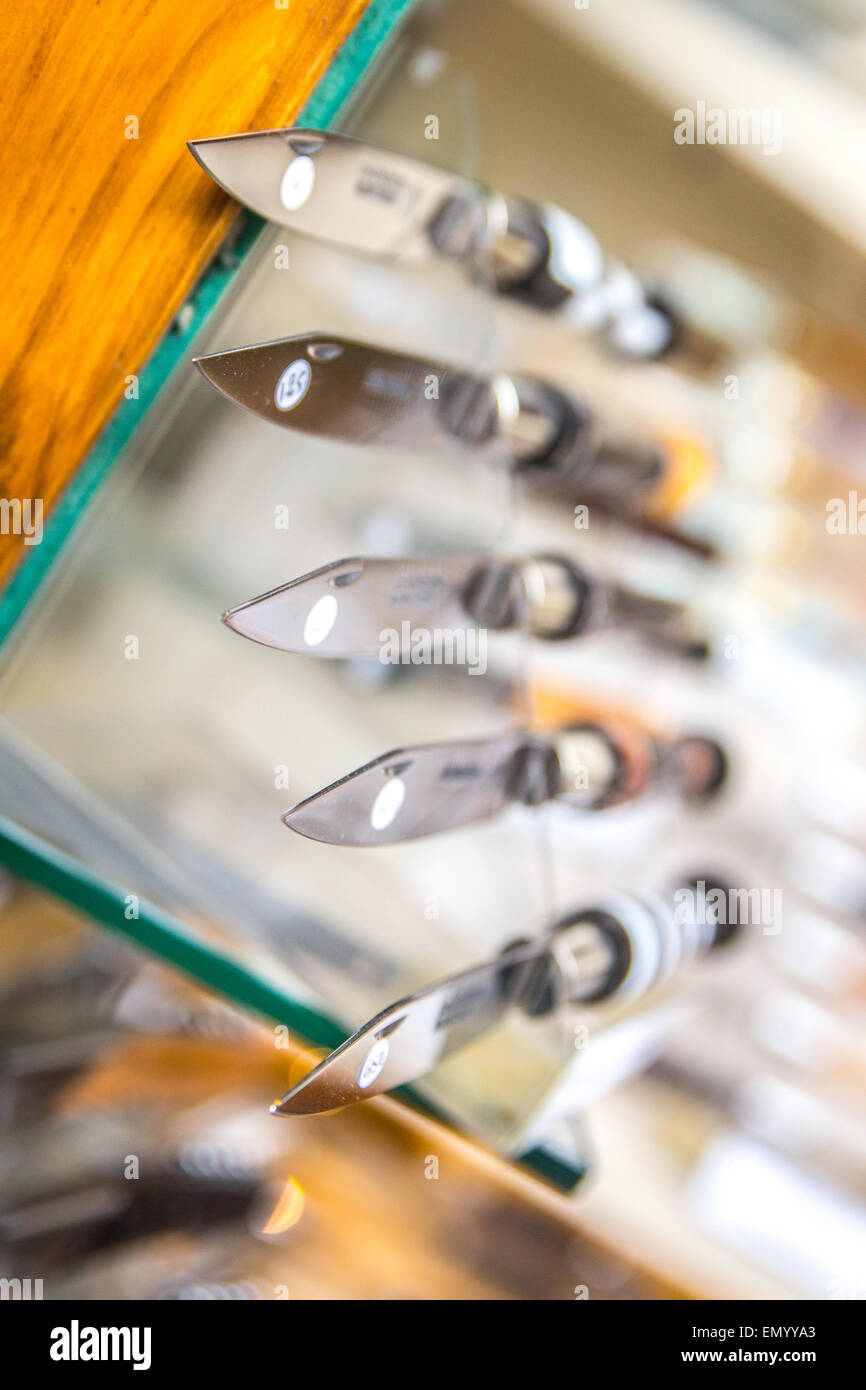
(544, 595)
(591, 765)
(695, 765)
(529, 420)
(538, 255)
(541, 256)
(550, 438)
(556, 441)
(623, 948)
(667, 624)
(603, 763)
(606, 763)
(629, 946)
(558, 600)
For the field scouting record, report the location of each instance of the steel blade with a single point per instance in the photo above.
(358, 607)
(340, 389)
(333, 188)
(408, 1039)
(413, 792)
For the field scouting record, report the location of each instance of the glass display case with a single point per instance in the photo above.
(148, 752)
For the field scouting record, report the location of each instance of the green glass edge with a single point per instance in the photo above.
(374, 28)
(33, 859)
(147, 927)
(37, 862)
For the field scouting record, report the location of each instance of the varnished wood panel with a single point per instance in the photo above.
(102, 235)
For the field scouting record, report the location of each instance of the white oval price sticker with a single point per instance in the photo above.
(293, 385)
(297, 182)
(320, 620)
(387, 803)
(373, 1063)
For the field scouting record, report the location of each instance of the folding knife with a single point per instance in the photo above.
(380, 203)
(412, 792)
(359, 393)
(624, 947)
(350, 608)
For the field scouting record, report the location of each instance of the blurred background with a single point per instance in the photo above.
(707, 1141)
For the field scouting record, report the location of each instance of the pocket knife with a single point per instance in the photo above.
(422, 790)
(349, 608)
(359, 393)
(625, 947)
(384, 204)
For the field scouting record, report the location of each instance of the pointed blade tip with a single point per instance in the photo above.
(233, 619)
(194, 147)
(203, 365)
(289, 1106)
(294, 821)
(284, 1110)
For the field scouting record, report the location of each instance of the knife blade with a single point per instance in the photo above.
(412, 792)
(408, 1039)
(326, 385)
(356, 392)
(352, 194)
(349, 608)
(379, 607)
(624, 946)
(333, 188)
(428, 788)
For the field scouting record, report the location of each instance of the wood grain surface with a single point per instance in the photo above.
(102, 235)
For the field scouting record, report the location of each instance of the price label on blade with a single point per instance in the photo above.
(373, 1063)
(293, 385)
(297, 182)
